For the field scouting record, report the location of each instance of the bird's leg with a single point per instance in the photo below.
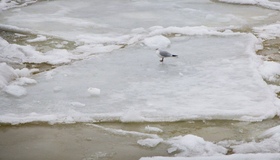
(162, 59)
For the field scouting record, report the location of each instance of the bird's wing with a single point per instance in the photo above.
(165, 54)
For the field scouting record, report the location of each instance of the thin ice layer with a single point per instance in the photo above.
(213, 78)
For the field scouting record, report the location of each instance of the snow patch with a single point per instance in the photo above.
(39, 38)
(78, 104)
(7, 74)
(270, 70)
(19, 54)
(15, 90)
(94, 91)
(153, 129)
(269, 143)
(157, 42)
(191, 145)
(271, 31)
(149, 142)
(24, 81)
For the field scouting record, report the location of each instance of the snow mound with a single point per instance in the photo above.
(19, 54)
(157, 42)
(24, 81)
(262, 3)
(191, 145)
(271, 31)
(15, 90)
(12, 80)
(94, 91)
(271, 131)
(271, 143)
(7, 74)
(270, 70)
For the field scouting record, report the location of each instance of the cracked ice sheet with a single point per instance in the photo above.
(213, 78)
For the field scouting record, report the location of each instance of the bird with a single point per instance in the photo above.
(164, 54)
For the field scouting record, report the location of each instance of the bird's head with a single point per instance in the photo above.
(157, 51)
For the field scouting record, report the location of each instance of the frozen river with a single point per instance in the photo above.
(67, 61)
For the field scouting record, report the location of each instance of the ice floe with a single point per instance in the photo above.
(270, 31)
(262, 3)
(191, 145)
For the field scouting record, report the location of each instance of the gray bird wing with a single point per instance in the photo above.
(165, 54)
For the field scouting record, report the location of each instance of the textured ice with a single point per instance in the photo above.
(269, 143)
(214, 78)
(191, 146)
(149, 142)
(7, 74)
(24, 81)
(267, 156)
(8, 4)
(15, 90)
(39, 38)
(28, 54)
(270, 70)
(270, 31)
(94, 91)
(124, 132)
(72, 19)
(153, 129)
(262, 3)
(217, 74)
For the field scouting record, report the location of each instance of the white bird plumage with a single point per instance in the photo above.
(164, 54)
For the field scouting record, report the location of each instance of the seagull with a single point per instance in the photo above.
(164, 54)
